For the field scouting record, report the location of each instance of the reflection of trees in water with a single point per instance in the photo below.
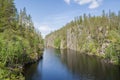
(90, 67)
(31, 72)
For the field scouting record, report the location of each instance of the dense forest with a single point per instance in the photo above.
(20, 42)
(94, 35)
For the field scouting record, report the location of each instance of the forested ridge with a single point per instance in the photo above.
(94, 35)
(20, 42)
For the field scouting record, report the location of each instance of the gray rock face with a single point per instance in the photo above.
(63, 44)
(49, 41)
(71, 39)
(79, 39)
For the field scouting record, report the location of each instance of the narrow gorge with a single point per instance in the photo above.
(93, 35)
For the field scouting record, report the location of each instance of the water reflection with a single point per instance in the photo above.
(31, 72)
(70, 65)
(89, 67)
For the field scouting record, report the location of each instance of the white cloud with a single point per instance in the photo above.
(92, 3)
(54, 22)
(82, 2)
(67, 1)
(43, 28)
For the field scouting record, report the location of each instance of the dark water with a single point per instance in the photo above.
(70, 65)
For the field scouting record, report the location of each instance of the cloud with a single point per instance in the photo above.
(43, 28)
(82, 2)
(67, 1)
(92, 3)
(54, 22)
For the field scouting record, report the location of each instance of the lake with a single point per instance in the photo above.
(70, 65)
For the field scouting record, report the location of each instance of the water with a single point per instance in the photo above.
(70, 65)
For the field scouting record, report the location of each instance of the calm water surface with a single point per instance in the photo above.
(70, 65)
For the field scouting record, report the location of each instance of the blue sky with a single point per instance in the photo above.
(50, 15)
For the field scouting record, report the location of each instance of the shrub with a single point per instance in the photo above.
(57, 43)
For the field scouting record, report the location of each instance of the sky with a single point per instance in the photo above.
(50, 15)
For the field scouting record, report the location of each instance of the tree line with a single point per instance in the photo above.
(98, 35)
(20, 42)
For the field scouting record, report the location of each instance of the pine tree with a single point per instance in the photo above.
(7, 14)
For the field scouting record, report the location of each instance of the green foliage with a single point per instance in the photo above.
(18, 41)
(110, 51)
(6, 74)
(6, 20)
(57, 43)
(99, 35)
(113, 53)
(92, 47)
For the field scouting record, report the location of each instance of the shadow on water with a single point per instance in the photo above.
(89, 67)
(30, 71)
(70, 65)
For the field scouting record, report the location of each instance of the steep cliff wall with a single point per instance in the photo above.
(71, 39)
(49, 41)
(92, 35)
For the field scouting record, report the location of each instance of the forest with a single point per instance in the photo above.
(20, 42)
(90, 34)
